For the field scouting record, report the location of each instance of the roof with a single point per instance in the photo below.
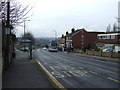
(71, 34)
(88, 32)
(108, 34)
(113, 32)
(79, 30)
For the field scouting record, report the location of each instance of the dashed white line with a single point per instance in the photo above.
(80, 67)
(93, 72)
(113, 79)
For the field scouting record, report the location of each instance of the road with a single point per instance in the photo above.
(74, 71)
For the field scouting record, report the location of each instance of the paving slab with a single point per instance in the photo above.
(24, 73)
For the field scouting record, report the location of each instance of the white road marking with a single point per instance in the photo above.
(80, 67)
(67, 73)
(58, 67)
(73, 73)
(113, 79)
(93, 72)
(52, 68)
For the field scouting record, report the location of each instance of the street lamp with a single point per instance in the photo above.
(55, 34)
(25, 27)
(24, 31)
(8, 31)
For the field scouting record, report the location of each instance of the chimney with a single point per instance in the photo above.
(72, 30)
(67, 33)
(62, 35)
(83, 29)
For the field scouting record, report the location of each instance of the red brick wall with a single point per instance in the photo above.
(88, 38)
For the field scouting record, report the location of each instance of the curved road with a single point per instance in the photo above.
(74, 71)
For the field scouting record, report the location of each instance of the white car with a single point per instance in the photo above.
(106, 50)
(117, 51)
(44, 48)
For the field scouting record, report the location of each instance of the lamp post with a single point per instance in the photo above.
(55, 34)
(25, 27)
(24, 30)
(8, 32)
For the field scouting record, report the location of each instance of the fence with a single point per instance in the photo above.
(99, 53)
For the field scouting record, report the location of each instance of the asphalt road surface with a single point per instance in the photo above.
(74, 71)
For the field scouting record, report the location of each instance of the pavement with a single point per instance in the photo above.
(25, 73)
(116, 60)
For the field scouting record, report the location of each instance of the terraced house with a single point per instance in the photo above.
(84, 39)
(79, 39)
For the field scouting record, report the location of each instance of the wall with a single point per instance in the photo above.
(88, 39)
(99, 53)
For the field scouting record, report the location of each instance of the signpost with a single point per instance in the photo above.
(29, 42)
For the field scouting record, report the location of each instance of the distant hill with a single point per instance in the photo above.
(42, 41)
(46, 38)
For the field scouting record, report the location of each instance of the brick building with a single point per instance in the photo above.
(79, 39)
(61, 42)
(109, 40)
(66, 40)
(83, 39)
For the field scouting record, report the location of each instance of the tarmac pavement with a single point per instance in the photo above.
(116, 60)
(24, 73)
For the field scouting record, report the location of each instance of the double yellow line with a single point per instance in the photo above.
(54, 80)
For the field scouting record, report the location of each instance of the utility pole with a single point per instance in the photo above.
(24, 34)
(24, 27)
(55, 34)
(1, 65)
(8, 14)
(24, 30)
(8, 33)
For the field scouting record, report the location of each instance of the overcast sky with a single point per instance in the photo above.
(62, 15)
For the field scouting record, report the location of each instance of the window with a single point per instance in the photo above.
(103, 37)
(108, 37)
(82, 36)
(82, 43)
(100, 37)
(112, 36)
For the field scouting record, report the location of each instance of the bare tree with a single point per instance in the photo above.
(28, 36)
(114, 27)
(18, 12)
(108, 28)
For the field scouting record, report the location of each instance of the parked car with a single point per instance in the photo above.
(117, 51)
(44, 48)
(106, 50)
